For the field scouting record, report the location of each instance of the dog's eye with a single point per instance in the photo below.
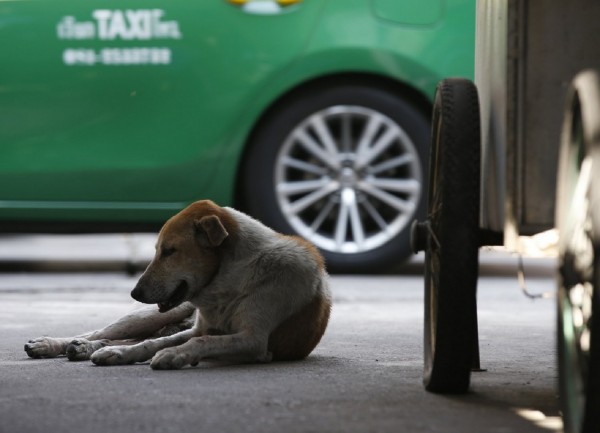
(166, 252)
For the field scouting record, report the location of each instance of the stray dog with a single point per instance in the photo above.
(253, 295)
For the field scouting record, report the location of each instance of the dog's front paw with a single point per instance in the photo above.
(45, 347)
(170, 359)
(112, 355)
(81, 349)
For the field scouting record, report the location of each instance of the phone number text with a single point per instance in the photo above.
(117, 56)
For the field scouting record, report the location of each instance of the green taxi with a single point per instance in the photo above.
(313, 116)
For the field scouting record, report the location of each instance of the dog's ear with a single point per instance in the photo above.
(210, 231)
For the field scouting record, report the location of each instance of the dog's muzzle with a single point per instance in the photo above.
(175, 298)
(178, 296)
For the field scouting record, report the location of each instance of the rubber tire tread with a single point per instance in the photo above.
(583, 98)
(456, 142)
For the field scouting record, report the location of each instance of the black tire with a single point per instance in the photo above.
(264, 175)
(451, 256)
(578, 220)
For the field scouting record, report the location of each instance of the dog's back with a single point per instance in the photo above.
(295, 269)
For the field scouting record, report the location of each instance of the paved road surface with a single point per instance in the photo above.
(365, 376)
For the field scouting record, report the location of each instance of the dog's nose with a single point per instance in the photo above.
(136, 294)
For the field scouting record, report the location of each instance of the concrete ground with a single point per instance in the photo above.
(365, 376)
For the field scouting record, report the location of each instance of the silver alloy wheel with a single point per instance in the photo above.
(348, 178)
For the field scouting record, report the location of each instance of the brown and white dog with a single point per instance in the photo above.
(255, 296)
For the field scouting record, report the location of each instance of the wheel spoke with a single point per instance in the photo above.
(409, 186)
(306, 201)
(341, 226)
(392, 163)
(391, 200)
(346, 141)
(349, 213)
(358, 233)
(304, 166)
(291, 188)
(318, 221)
(313, 147)
(324, 135)
(373, 213)
(382, 143)
(368, 134)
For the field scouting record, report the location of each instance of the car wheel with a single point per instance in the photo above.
(342, 167)
(578, 220)
(450, 237)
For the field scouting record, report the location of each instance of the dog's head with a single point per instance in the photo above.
(187, 255)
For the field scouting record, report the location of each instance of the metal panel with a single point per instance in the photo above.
(490, 77)
(561, 41)
(547, 43)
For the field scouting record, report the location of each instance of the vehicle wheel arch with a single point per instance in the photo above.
(409, 93)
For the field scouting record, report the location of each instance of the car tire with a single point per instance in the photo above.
(578, 220)
(341, 166)
(451, 255)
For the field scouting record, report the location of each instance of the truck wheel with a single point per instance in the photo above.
(452, 241)
(578, 220)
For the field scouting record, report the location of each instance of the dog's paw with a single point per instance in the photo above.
(112, 355)
(81, 349)
(45, 347)
(170, 359)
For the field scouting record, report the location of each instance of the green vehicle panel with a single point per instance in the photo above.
(96, 133)
(126, 111)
